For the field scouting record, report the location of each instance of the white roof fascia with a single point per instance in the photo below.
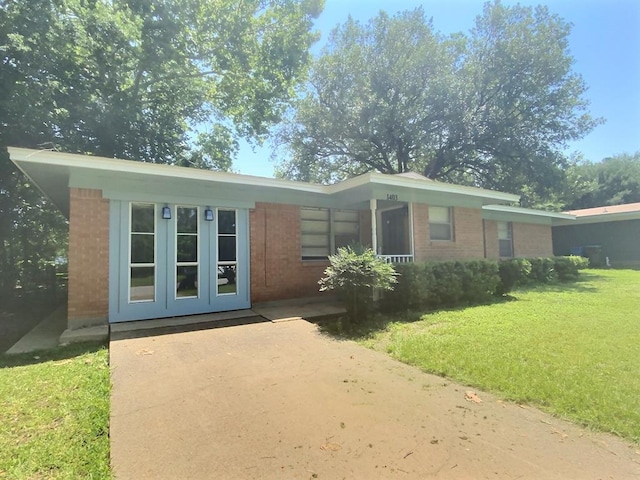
(154, 169)
(528, 211)
(104, 164)
(420, 184)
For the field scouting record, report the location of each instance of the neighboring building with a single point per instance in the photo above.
(151, 240)
(614, 231)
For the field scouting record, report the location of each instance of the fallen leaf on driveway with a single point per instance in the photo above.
(561, 434)
(144, 351)
(331, 447)
(472, 397)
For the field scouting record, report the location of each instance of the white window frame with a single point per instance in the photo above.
(509, 238)
(449, 223)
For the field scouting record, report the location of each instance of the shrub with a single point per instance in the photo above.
(542, 270)
(512, 272)
(568, 268)
(354, 273)
(442, 284)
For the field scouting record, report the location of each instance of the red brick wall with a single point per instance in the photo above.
(468, 242)
(492, 246)
(88, 258)
(277, 270)
(530, 240)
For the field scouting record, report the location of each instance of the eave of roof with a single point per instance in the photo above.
(53, 171)
(524, 215)
(607, 210)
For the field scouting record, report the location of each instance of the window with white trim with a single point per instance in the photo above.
(505, 239)
(323, 231)
(441, 223)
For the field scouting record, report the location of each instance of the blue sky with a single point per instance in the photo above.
(605, 43)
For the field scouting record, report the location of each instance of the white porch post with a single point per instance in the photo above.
(373, 205)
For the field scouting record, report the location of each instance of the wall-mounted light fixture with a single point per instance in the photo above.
(208, 214)
(166, 213)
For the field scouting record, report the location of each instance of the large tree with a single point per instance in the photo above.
(612, 181)
(168, 81)
(493, 108)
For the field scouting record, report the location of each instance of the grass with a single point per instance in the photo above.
(54, 414)
(571, 349)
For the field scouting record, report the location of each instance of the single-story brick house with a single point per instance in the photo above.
(614, 230)
(150, 240)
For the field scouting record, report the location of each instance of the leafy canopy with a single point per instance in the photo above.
(167, 81)
(133, 78)
(613, 181)
(493, 108)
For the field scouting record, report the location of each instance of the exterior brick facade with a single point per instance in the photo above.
(88, 258)
(491, 244)
(277, 269)
(467, 241)
(531, 240)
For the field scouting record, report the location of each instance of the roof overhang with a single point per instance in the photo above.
(601, 218)
(54, 172)
(507, 213)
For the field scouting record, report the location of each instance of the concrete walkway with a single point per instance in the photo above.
(44, 335)
(282, 401)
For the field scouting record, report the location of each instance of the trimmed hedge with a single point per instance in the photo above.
(429, 286)
(442, 284)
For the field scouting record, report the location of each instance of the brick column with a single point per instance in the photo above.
(88, 258)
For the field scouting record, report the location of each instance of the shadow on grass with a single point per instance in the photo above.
(582, 284)
(339, 327)
(53, 354)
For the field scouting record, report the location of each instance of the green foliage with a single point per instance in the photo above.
(354, 273)
(429, 286)
(492, 108)
(612, 181)
(442, 284)
(132, 79)
(54, 414)
(553, 347)
(542, 271)
(531, 271)
(512, 272)
(568, 268)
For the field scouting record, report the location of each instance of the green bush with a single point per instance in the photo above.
(568, 268)
(512, 272)
(354, 273)
(442, 284)
(542, 270)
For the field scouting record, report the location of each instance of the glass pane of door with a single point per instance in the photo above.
(187, 253)
(142, 253)
(227, 253)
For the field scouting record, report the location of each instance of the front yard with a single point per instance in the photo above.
(54, 414)
(571, 349)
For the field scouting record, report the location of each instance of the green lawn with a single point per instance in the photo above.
(572, 349)
(54, 414)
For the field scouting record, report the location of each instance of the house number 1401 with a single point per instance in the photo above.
(392, 196)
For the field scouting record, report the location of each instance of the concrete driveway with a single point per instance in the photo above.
(282, 401)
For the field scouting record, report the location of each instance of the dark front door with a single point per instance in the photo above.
(395, 226)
